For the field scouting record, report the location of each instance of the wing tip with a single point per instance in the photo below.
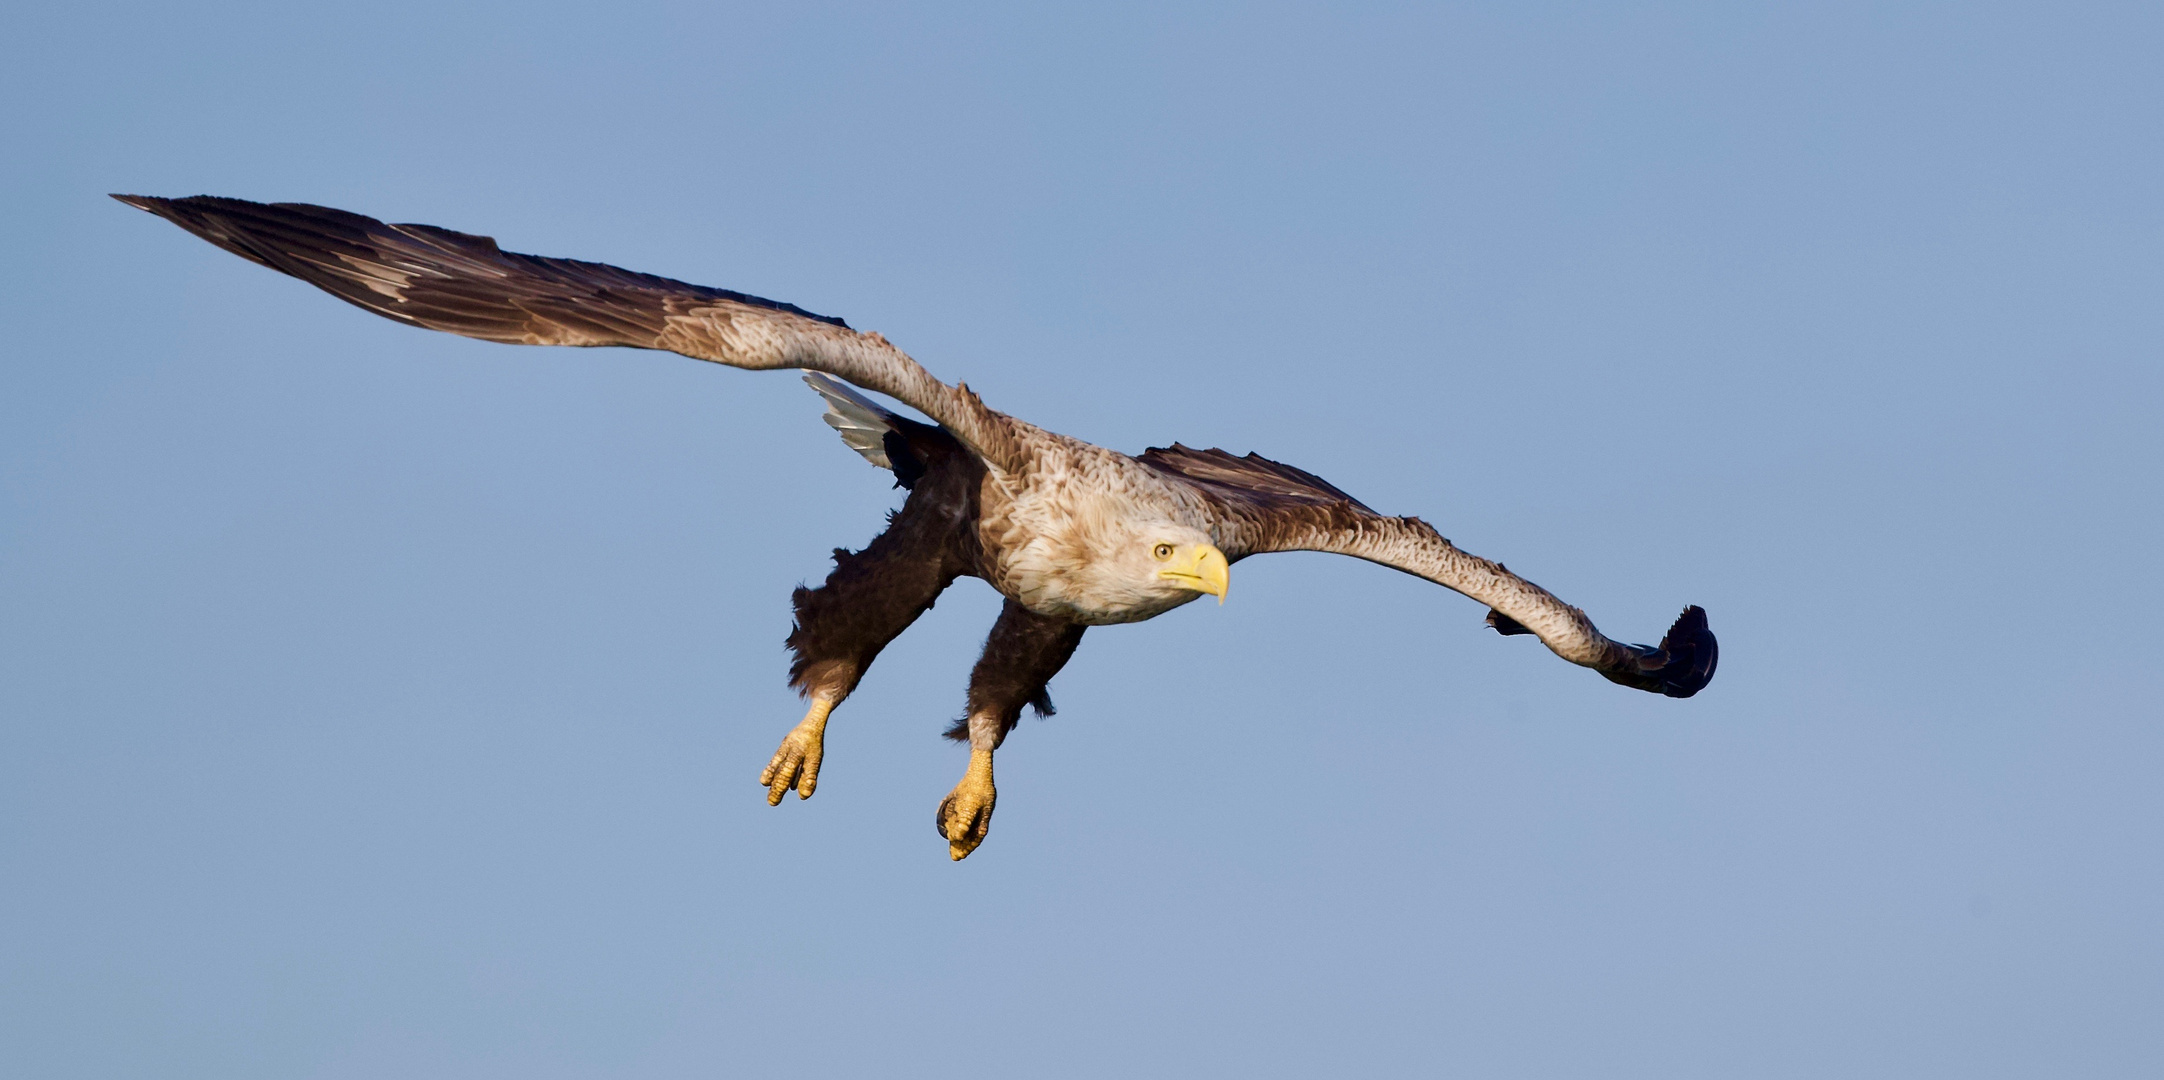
(1693, 653)
(149, 204)
(1682, 665)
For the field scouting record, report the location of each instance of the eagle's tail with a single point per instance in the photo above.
(861, 422)
(878, 434)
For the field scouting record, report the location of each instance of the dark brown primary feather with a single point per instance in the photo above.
(440, 279)
(1681, 666)
(463, 284)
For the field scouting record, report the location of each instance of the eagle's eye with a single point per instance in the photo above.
(1164, 551)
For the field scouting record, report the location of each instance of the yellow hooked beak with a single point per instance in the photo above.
(1200, 567)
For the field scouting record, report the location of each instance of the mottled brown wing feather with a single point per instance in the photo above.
(1247, 477)
(463, 284)
(1265, 506)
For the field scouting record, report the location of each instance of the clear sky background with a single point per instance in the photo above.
(382, 703)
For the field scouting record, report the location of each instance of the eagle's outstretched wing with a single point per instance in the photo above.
(464, 284)
(1266, 506)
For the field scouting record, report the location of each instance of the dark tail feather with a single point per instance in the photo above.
(1504, 624)
(1683, 664)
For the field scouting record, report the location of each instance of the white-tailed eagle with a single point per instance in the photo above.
(1072, 535)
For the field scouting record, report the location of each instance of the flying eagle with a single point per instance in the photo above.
(1072, 535)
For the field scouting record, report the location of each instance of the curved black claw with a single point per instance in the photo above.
(1682, 666)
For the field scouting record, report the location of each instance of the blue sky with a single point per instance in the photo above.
(375, 702)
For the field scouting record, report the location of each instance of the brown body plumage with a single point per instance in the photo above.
(1072, 535)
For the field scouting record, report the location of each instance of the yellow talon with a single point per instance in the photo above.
(965, 815)
(797, 761)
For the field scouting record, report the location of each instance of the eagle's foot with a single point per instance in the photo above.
(965, 815)
(796, 764)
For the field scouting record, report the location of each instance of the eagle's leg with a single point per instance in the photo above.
(1020, 658)
(872, 596)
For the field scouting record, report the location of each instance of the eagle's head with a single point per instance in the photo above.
(1184, 559)
(1128, 571)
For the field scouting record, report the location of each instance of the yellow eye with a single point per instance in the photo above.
(1164, 551)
